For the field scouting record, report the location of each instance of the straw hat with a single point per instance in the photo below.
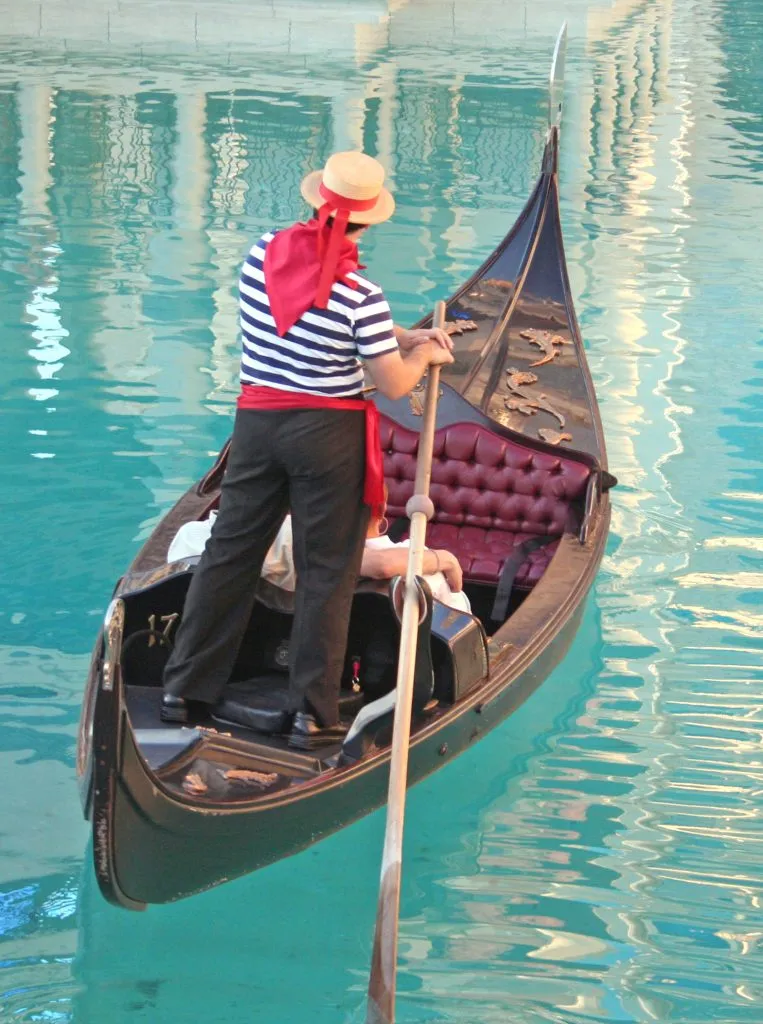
(355, 178)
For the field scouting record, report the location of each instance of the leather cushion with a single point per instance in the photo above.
(483, 552)
(489, 494)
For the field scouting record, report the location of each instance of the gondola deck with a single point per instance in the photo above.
(519, 454)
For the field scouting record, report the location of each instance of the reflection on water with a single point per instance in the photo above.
(598, 857)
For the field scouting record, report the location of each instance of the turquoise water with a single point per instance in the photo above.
(597, 858)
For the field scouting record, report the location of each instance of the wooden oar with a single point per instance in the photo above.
(381, 988)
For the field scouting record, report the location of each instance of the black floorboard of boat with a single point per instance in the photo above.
(170, 739)
(143, 704)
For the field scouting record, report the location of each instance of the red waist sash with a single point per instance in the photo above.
(255, 396)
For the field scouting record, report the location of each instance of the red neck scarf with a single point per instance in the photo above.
(303, 262)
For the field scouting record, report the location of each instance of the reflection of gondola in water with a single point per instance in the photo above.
(179, 809)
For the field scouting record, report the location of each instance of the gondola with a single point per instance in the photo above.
(520, 488)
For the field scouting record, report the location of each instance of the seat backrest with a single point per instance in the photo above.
(483, 480)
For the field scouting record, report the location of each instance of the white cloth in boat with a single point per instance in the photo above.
(278, 568)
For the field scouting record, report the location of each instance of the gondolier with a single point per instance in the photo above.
(304, 440)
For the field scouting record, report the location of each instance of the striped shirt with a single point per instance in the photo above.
(322, 351)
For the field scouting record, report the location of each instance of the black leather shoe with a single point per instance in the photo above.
(173, 709)
(180, 710)
(306, 734)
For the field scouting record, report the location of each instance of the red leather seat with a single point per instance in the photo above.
(489, 493)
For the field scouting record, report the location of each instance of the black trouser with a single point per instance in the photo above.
(309, 462)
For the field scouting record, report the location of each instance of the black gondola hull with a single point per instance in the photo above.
(169, 848)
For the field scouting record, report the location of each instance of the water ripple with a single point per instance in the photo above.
(598, 858)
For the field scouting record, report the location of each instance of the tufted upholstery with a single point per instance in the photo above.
(489, 495)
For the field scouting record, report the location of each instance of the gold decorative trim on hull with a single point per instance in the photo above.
(416, 398)
(548, 343)
(454, 327)
(552, 436)
(525, 403)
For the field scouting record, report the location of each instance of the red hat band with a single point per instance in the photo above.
(335, 201)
